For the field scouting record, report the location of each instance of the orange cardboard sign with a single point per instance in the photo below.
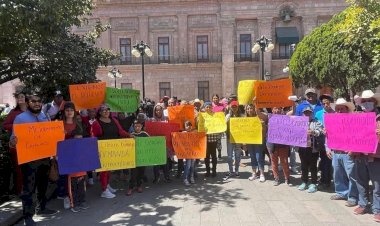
(271, 94)
(190, 145)
(180, 114)
(37, 140)
(87, 96)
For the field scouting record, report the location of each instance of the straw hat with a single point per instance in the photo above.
(369, 94)
(349, 105)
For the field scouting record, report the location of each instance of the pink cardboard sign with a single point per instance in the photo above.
(351, 132)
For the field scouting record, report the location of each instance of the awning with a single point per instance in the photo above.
(287, 35)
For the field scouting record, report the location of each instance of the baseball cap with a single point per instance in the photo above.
(307, 109)
(234, 103)
(310, 90)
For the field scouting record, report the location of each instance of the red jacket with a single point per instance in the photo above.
(8, 122)
(96, 129)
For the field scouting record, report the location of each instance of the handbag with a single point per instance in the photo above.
(53, 172)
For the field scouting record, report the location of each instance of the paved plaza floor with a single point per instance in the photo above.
(210, 201)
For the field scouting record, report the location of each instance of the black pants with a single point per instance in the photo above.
(78, 191)
(325, 165)
(165, 169)
(309, 162)
(137, 175)
(211, 152)
(34, 175)
(180, 167)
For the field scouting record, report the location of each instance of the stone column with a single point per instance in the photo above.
(228, 70)
(265, 28)
(182, 51)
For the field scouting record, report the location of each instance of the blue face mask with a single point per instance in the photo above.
(368, 106)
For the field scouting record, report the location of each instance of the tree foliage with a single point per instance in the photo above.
(38, 47)
(340, 53)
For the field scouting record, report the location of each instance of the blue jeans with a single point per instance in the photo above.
(189, 169)
(344, 169)
(366, 171)
(256, 152)
(231, 150)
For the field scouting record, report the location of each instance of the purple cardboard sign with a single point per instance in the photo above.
(288, 130)
(77, 155)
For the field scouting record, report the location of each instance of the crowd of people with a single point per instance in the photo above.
(350, 174)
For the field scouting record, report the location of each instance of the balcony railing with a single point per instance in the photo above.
(278, 56)
(244, 58)
(172, 60)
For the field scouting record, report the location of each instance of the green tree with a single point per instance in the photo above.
(38, 47)
(335, 56)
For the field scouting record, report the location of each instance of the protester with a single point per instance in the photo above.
(137, 174)
(87, 121)
(35, 173)
(311, 102)
(367, 167)
(343, 164)
(105, 128)
(52, 110)
(189, 167)
(197, 105)
(256, 151)
(233, 149)
(309, 155)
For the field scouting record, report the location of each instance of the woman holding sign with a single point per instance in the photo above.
(106, 128)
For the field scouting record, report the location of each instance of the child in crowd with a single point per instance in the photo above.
(309, 155)
(189, 168)
(137, 174)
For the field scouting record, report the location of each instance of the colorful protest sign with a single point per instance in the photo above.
(162, 129)
(37, 140)
(77, 155)
(180, 114)
(246, 130)
(245, 91)
(212, 123)
(288, 130)
(273, 93)
(351, 132)
(122, 100)
(116, 154)
(87, 96)
(150, 151)
(190, 145)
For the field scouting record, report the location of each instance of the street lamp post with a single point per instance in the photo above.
(142, 49)
(114, 73)
(265, 45)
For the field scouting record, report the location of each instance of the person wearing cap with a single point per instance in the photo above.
(367, 167)
(35, 173)
(233, 149)
(311, 102)
(217, 106)
(309, 155)
(343, 164)
(197, 105)
(52, 109)
(105, 128)
(325, 164)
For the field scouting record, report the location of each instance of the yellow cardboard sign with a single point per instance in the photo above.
(245, 91)
(116, 154)
(246, 130)
(212, 123)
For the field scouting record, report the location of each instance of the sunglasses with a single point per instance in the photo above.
(35, 101)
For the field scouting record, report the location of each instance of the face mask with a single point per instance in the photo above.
(368, 106)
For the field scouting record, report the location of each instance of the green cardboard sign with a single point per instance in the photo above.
(150, 151)
(122, 100)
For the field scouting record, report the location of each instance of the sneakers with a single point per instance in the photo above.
(75, 209)
(253, 177)
(46, 212)
(287, 182)
(227, 176)
(91, 181)
(262, 178)
(66, 203)
(360, 210)
(83, 206)
(312, 188)
(29, 221)
(337, 197)
(107, 194)
(192, 181)
(129, 192)
(302, 187)
(376, 217)
(186, 182)
(112, 190)
(276, 182)
(139, 189)
(350, 203)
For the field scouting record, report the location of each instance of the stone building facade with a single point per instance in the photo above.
(202, 47)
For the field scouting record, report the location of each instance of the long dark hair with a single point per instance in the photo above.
(16, 96)
(79, 127)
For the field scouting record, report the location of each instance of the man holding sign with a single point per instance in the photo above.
(35, 173)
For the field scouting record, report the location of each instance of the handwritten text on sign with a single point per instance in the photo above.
(351, 132)
(288, 130)
(162, 129)
(190, 145)
(245, 91)
(87, 96)
(150, 151)
(246, 130)
(37, 140)
(116, 154)
(180, 114)
(122, 100)
(273, 93)
(212, 123)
